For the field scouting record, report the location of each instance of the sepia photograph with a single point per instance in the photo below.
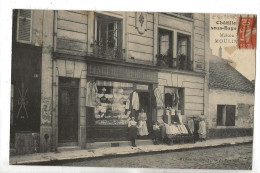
(132, 89)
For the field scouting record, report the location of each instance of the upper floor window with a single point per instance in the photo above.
(108, 37)
(183, 48)
(165, 42)
(226, 115)
(24, 26)
(165, 45)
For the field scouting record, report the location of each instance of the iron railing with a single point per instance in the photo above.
(180, 63)
(107, 50)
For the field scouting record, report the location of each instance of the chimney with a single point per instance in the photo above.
(220, 52)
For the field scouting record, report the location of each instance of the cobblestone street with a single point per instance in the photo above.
(230, 157)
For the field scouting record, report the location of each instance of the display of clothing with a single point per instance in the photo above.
(182, 129)
(135, 101)
(191, 125)
(202, 129)
(172, 129)
(180, 118)
(159, 99)
(142, 129)
(91, 94)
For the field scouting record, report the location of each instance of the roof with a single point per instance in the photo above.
(223, 76)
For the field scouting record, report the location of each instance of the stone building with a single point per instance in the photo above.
(231, 100)
(79, 69)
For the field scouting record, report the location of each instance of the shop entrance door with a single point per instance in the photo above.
(68, 110)
(144, 103)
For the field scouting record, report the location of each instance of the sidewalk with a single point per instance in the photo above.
(113, 151)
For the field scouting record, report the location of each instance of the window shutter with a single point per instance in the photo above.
(231, 110)
(24, 26)
(219, 115)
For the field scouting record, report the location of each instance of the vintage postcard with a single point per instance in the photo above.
(132, 89)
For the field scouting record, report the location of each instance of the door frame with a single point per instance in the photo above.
(72, 143)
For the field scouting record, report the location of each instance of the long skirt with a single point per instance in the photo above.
(143, 131)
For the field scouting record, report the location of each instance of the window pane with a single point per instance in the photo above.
(114, 102)
(230, 113)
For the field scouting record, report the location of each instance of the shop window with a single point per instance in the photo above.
(226, 115)
(108, 36)
(164, 57)
(183, 48)
(24, 26)
(174, 98)
(113, 103)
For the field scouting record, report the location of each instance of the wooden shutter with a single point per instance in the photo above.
(230, 118)
(24, 26)
(219, 115)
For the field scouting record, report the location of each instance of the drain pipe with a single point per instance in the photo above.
(54, 87)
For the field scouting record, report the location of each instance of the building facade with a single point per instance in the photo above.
(231, 101)
(89, 64)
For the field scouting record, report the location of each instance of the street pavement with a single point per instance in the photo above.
(52, 158)
(225, 157)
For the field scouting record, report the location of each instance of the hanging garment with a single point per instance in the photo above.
(191, 125)
(202, 129)
(183, 129)
(142, 130)
(180, 118)
(135, 101)
(159, 99)
(127, 104)
(91, 94)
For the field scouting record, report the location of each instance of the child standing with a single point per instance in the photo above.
(132, 130)
(156, 133)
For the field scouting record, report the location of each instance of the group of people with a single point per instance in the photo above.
(138, 127)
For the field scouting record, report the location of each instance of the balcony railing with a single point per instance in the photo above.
(180, 63)
(107, 51)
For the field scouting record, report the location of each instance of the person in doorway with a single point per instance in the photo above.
(132, 130)
(142, 118)
(202, 128)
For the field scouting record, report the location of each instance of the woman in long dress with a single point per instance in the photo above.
(142, 130)
(202, 129)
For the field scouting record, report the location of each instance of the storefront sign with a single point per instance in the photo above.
(142, 87)
(122, 73)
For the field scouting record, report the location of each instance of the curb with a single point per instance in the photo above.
(137, 151)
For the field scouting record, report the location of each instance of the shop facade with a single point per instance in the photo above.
(94, 62)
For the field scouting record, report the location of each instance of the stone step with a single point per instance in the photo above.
(68, 148)
(96, 145)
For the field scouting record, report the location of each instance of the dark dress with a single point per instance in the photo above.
(132, 132)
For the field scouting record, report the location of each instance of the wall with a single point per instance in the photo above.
(46, 83)
(193, 90)
(140, 46)
(72, 32)
(73, 69)
(201, 25)
(75, 34)
(244, 107)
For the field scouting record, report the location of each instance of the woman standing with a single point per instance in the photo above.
(142, 130)
(202, 129)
